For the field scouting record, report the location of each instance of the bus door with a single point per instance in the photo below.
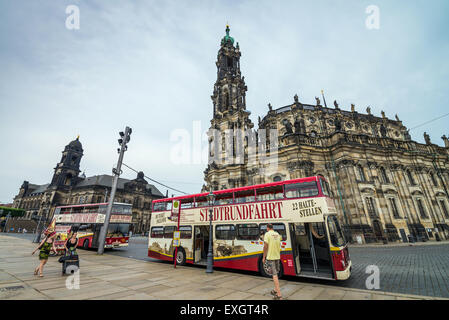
(295, 247)
(197, 244)
(319, 248)
(313, 249)
(201, 243)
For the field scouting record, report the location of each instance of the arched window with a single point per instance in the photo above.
(277, 178)
(384, 175)
(361, 173)
(410, 178)
(434, 181)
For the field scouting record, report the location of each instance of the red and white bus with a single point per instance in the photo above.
(301, 210)
(89, 219)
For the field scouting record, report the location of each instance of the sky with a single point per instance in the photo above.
(150, 65)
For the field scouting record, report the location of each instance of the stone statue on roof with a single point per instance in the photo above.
(427, 138)
(336, 104)
(296, 98)
(352, 107)
(397, 118)
(270, 107)
(446, 141)
(317, 101)
(383, 114)
(368, 110)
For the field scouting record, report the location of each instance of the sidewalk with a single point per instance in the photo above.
(113, 277)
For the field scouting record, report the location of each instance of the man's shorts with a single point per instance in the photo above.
(272, 267)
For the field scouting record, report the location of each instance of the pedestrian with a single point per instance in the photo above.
(272, 258)
(71, 244)
(45, 247)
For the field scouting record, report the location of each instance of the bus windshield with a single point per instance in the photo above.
(336, 235)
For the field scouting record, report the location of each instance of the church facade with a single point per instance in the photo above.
(68, 187)
(385, 185)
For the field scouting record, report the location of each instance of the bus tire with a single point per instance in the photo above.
(181, 257)
(86, 244)
(265, 274)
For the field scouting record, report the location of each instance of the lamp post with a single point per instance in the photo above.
(210, 256)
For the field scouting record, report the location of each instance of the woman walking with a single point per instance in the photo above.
(45, 247)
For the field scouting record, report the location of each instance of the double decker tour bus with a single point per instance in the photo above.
(88, 219)
(300, 210)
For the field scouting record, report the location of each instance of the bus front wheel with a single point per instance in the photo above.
(181, 257)
(86, 244)
(264, 272)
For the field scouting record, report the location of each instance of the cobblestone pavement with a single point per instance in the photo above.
(418, 269)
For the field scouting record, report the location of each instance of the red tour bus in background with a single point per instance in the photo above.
(301, 211)
(88, 219)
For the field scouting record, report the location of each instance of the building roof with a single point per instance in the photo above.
(36, 188)
(106, 181)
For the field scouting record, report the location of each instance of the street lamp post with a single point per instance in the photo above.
(210, 256)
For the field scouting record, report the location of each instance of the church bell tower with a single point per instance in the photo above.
(68, 169)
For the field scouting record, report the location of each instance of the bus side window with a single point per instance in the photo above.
(244, 196)
(201, 202)
(223, 199)
(278, 227)
(168, 232)
(160, 206)
(157, 232)
(225, 232)
(247, 231)
(270, 193)
(186, 232)
(186, 203)
(300, 190)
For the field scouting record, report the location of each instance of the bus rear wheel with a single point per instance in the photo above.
(181, 257)
(264, 272)
(86, 244)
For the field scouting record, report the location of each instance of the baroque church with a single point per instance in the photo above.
(386, 186)
(68, 187)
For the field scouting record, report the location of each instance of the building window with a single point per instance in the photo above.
(277, 178)
(434, 181)
(361, 173)
(410, 178)
(444, 208)
(422, 211)
(371, 207)
(384, 175)
(394, 208)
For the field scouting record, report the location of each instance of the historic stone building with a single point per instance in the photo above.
(69, 187)
(385, 185)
